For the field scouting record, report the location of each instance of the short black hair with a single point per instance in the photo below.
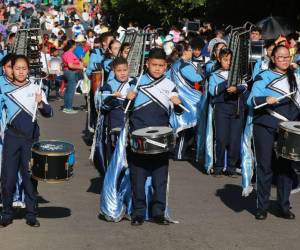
(256, 29)
(119, 61)
(105, 35)
(157, 53)
(197, 43)
(7, 58)
(97, 40)
(269, 43)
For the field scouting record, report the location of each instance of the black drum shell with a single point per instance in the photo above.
(288, 144)
(52, 167)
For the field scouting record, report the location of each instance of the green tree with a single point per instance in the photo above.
(162, 12)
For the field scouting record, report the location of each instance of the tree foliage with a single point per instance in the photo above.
(164, 12)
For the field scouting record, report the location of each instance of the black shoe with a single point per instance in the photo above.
(231, 173)
(287, 215)
(161, 220)
(5, 222)
(217, 173)
(261, 214)
(137, 221)
(33, 223)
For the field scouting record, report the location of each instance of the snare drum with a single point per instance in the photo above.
(52, 161)
(288, 143)
(152, 140)
(114, 136)
(96, 80)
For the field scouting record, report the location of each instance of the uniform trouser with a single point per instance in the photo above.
(92, 111)
(16, 156)
(228, 130)
(142, 166)
(264, 143)
(185, 139)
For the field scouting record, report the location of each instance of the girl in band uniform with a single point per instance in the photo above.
(269, 85)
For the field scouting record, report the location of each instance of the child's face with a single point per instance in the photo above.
(20, 71)
(156, 67)
(115, 49)
(125, 52)
(225, 62)
(269, 50)
(122, 72)
(8, 70)
(196, 52)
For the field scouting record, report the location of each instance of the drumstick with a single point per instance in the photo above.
(184, 108)
(135, 89)
(156, 143)
(278, 99)
(36, 104)
(180, 105)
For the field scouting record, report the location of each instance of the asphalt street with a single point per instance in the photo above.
(211, 211)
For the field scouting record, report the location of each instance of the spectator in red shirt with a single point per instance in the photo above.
(72, 70)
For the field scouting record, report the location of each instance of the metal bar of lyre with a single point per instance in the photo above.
(239, 44)
(26, 43)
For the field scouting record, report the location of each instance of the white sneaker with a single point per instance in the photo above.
(70, 111)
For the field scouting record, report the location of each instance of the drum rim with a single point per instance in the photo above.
(281, 126)
(54, 153)
(52, 181)
(153, 136)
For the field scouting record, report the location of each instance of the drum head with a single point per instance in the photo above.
(291, 126)
(152, 132)
(115, 131)
(53, 148)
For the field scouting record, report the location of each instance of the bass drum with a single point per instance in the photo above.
(52, 161)
(288, 143)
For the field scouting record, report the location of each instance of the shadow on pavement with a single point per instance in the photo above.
(231, 196)
(45, 212)
(41, 200)
(95, 185)
(53, 212)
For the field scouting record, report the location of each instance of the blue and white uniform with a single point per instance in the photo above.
(96, 60)
(188, 72)
(114, 106)
(266, 121)
(209, 67)
(20, 133)
(228, 115)
(108, 70)
(260, 65)
(151, 107)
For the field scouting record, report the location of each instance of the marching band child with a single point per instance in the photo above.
(228, 114)
(191, 77)
(269, 85)
(112, 52)
(114, 94)
(263, 64)
(149, 110)
(210, 66)
(20, 98)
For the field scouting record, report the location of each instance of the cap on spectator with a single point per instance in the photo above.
(80, 38)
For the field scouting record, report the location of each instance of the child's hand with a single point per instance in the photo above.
(117, 94)
(38, 99)
(232, 90)
(272, 100)
(175, 100)
(131, 95)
